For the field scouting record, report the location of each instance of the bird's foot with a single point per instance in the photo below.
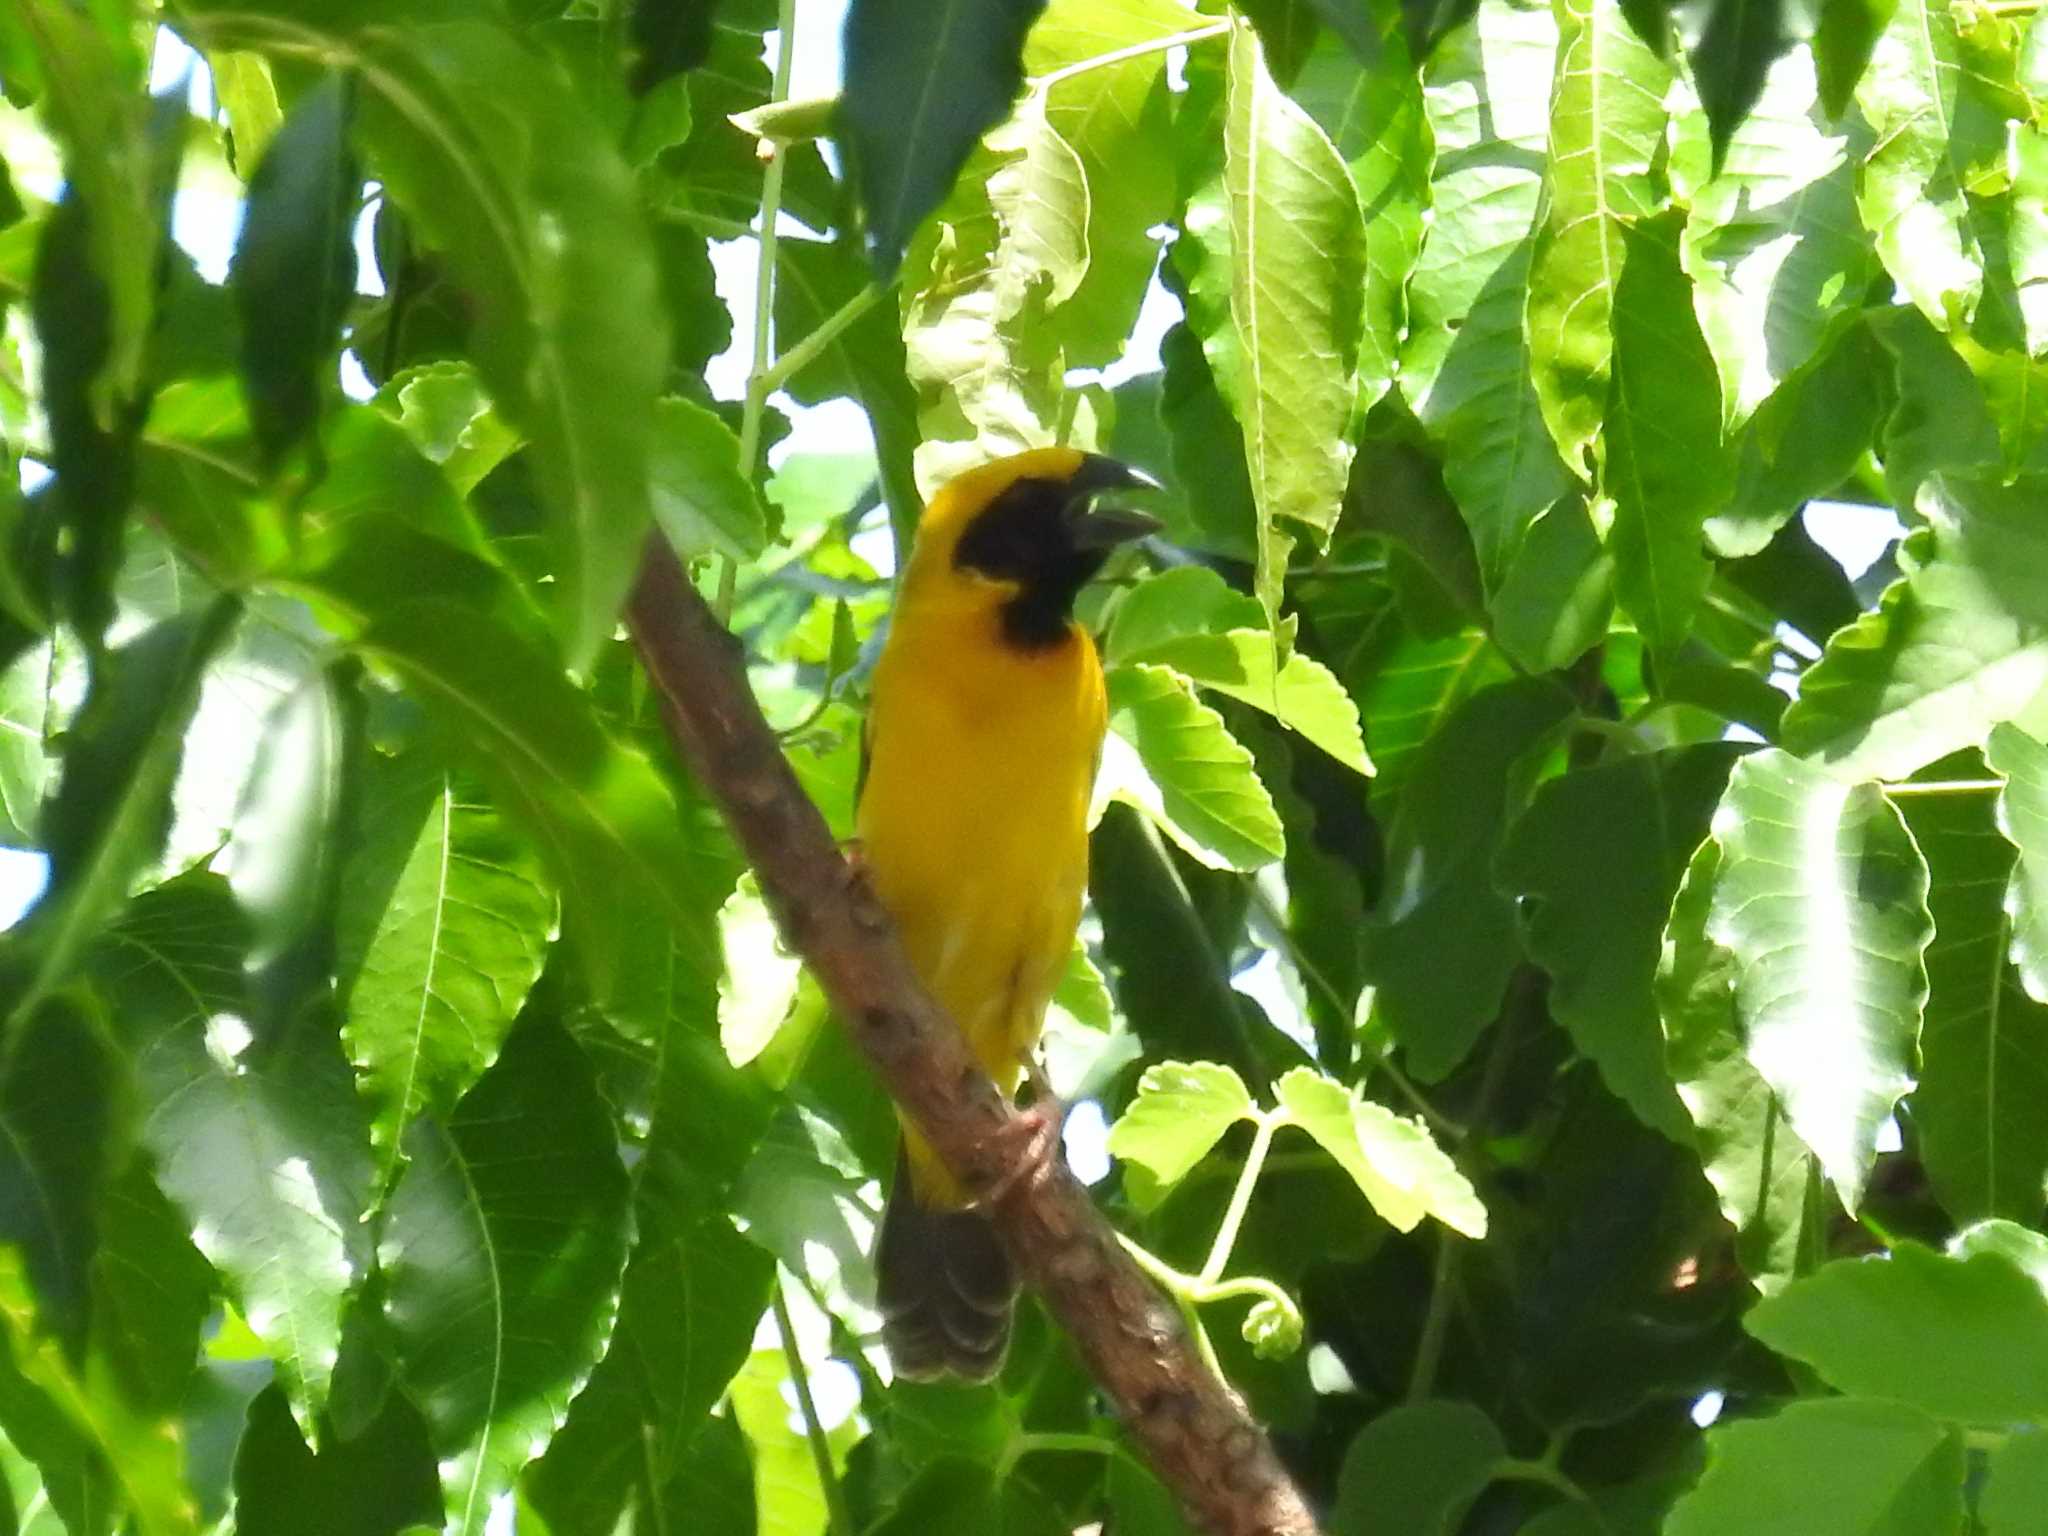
(1035, 1133)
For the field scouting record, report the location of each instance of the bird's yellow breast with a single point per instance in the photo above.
(974, 815)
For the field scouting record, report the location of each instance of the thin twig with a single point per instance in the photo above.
(814, 1429)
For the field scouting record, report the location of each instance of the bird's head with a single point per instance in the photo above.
(1023, 535)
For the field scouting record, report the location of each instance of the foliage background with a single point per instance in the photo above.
(1565, 958)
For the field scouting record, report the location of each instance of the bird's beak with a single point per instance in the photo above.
(1093, 527)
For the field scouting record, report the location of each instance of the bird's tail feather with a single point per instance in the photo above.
(945, 1286)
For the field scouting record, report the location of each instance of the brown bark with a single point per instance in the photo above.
(1195, 1432)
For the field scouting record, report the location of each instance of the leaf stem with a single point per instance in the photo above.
(1181, 1288)
(1240, 1198)
(1942, 787)
(758, 386)
(814, 1432)
(800, 356)
(1429, 1347)
(1135, 51)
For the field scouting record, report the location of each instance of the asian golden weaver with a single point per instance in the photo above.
(982, 742)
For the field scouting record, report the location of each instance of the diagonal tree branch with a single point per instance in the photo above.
(1193, 1429)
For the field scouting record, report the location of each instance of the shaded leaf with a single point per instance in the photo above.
(921, 88)
(294, 272)
(703, 499)
(1415, 1470)
(377, 1483)
(502, 1248)
(1597, 858)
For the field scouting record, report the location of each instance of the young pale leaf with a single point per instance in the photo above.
(376, 1483)
(2023, 818)
(1960, 1338)
(1758, 1167)
(506, 172)
(1297, 273)
(260, 1142)
(1596, 860)
(1117, 118)
(1416, 1469)
(1190, 775)
(294, 270)
(1606, 129)
(922, 85)
(1396, 1164)
(1981, 1067)
(457, 945)
(1189, 619)
(1822, 899)
(503, 1248)
(1181, 1110)
(247, 93)
(1772, 243)
(1441, 942)
(449, 418)
(1959, 643)
(61, 1135)
(1662, 459)
(1833, 1467)
(703, 499)
(112, 810)
(760, 981)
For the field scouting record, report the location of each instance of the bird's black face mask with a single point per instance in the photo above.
(1049, 538)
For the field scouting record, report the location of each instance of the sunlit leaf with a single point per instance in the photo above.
(1822, 899)
(1396, 1163)
(1181, 1110)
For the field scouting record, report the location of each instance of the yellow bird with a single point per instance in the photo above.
(982, 742)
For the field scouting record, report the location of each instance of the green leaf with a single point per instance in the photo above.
(983, 277)
(1190, 620)
(2020, 1246)
(463, 645)
(294, 272)
(1396, 1163)
(1415, 1470)
(112, 810)
(702, 499)
(1117, 118)
(247, 94)
(1596, 859)
(1170, 757)
(1959, 643)
(489, 152)
(760, 982)
(921, 87)
(1297, 240)
(502, 1249)
(88, 1442)
(1822, 899)
(1759, 1168)
(152, 1293)
(1441, 942)
(1982, 1066)
(446, 413)
(2017, 1489)
(1963, 1339)
(1836, 1467)
(865, 361)
(61, 1135)
(1732, 59)
(1557, 596)
(1662, 460)
(1606, 128)
(377, 1483)
(1936, 122)
(260, 1141)
(2023, 818)
(458, 941)
(1843, 40)
(1180, 1111)
(1772, 242)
